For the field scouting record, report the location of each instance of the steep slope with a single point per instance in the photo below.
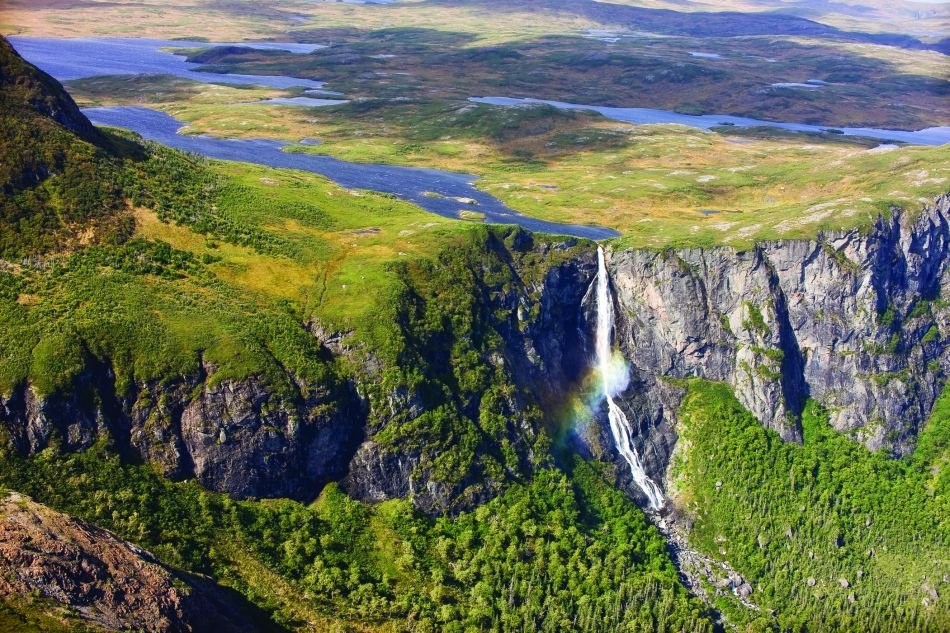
(90, 342)
(855, 320)
(73, 570)
(557, 550)
(832, 513)
(484, 358)
(57, 173)
(32, 95)
(828, 535)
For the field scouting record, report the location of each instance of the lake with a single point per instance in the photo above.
(67, 59)
(641, 116)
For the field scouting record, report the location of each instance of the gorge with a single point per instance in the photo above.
(244, 388)
(852, 320)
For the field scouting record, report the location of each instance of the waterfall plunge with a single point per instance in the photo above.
(614, 377)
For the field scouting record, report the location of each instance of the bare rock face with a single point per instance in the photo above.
(242, 439)
(852, 319)
(109, 583)
(235, 436)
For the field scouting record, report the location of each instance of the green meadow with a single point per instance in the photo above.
(658, 185)
(226, 275)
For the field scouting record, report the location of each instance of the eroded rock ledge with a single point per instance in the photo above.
(854, 319)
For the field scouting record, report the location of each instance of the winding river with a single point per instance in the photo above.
(440, 192)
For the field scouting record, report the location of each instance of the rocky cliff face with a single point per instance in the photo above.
(495, 339)
(856, 320)
(486, 349)
(234, 436)
(59, 562)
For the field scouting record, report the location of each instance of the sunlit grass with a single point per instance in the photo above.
(161, 89)
(151, 18)
(343, 256)
(241, 310)
(658, 185)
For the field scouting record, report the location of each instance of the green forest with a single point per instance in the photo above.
(565, 551)
(832, 536)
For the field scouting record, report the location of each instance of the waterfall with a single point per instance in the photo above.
(614, 378)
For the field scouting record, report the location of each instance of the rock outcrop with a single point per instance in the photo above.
(236, 436)
(52, 562)
(855, 319)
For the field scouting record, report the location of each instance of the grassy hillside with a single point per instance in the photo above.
(229, 262)
(872, 16)
(56, 172)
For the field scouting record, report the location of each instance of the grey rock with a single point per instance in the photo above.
(839, 318)
(235, 436)
(847, 319)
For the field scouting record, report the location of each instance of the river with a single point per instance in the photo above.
(440, 192)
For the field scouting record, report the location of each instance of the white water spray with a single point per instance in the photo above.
(613, 372)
